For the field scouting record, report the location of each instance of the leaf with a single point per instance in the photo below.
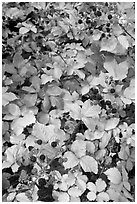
(123, 41)
(11, 196)
(105, 140)
(100, 185)
(108, 44)
(117, 71)
(21, 197)
(7, 97)
(111, 123)
(14, 109)
(63, 197)
(103, 197)
(20, 123)
(79, 148)
(72, 160)
(33, 29)
(91, 186)
(90, 111)
(74, 191)
(90, 147)
(45, 79)
(89, 164)
(30, 99)
(17, 60)
(113, 175)
(85, 89)
(91, 196)
(23, 30)
(129, 92)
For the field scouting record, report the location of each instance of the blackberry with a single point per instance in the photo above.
(30, 148)
(54, 144)
(95, 91)
(80, 21)
(103, 35)
(39, 142)
(33, 158)
(120, 135)
(112, 90)
(108, 102)
(98, 97)
(114, 110)
(42, 157)
(109, 16)
(108, 24)
(98, 13)
(108, 30)
(41, 182)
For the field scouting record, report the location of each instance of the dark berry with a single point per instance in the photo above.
(88, 21)
(108, 24)
(106, 4)
(79, 21)
(91, 32)
(102, 104)
(120, 135)
(99, 28)
(94, 8)
(33, 158)
(103, 35)
(98, 13)
(109, 16)
(93, 24)
(114, 110)
(39, 142)
(41, 182)
(42, 157)
(108, 30)
(30, 148)
(108, 102)
(54, 144)
(95, 91)
(112, 90)
(98, 97)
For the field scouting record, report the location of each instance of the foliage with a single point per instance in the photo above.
(68, 101)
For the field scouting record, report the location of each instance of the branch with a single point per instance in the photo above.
(126, 31)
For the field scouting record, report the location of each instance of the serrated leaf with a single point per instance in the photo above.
(23, 30)
(89, 164)
(100, 185)
(111, 123)
(91, 196)
(129, 93)
(91, 186)
(33, 29)
(30, 99)
(113, 175)
(90, 111)
(104, 140)
(45, 79)
(117, 71)
(74, 191)
(103, 197)
(79, 148)
(72, 160)
(20, 123)
(7, 97)
(123, 41)
(21, 197)
(108, 44)
(14, 109)
(63, 197)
